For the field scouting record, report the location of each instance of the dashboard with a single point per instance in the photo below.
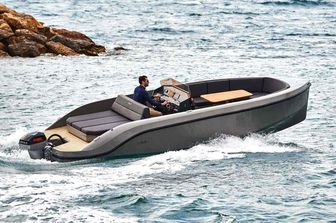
(177, 98)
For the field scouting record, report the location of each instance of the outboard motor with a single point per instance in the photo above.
(34, 142)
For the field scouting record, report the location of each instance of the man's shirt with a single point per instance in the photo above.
(142, 96)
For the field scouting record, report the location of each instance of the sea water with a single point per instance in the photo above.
(289, 176)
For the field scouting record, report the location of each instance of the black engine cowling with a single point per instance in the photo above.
(34, 142)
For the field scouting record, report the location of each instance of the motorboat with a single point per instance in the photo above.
(196, 112)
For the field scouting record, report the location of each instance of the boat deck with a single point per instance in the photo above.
(73, 142)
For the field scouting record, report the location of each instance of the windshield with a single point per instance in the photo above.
(173, 82)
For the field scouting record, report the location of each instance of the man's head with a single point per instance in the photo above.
(143, 80)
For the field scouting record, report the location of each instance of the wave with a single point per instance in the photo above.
(221, 148)
(189, 3)
(312, 34)
(166, 30)
(297, 3)
(234, 12)
(195, 14)
(13, 138)
(9, 148)
(224, 146)
(105, 196)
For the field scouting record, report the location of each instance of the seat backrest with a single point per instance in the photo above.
(197, 89)
(218, 86)
(247, 84)
(272, 85)
(129, 108)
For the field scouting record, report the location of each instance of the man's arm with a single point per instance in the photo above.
(151, 101)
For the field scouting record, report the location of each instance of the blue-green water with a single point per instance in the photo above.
(289, 176)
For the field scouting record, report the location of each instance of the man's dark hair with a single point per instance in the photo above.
(142, 78)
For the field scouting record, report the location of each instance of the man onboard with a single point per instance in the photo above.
(142, 96)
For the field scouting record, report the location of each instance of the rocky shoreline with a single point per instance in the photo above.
(22, 35)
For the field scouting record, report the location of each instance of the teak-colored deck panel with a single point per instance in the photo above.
(226, 96)
(74, 143)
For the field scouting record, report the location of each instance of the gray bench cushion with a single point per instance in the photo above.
(95, 124)
(98, 121)
(91, 116)
(129, 108)
(100, 129)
